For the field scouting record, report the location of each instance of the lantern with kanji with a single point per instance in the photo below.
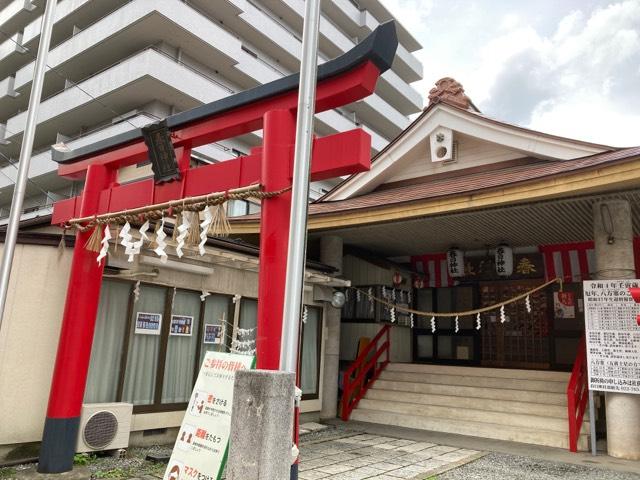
(504, 260)
(455, 262)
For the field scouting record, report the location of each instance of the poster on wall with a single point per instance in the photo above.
(181, 325)
(564, 305)
(200, 451)
(148, 323)
(212, 334)
(613, 336)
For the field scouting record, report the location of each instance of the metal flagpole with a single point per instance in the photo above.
(297, 247)
(25, 154)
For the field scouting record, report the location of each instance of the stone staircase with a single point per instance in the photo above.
(527, 406)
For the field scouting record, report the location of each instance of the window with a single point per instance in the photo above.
(148, 352)
(310, 353)
(111, 324)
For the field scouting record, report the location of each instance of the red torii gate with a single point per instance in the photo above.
(271, 107)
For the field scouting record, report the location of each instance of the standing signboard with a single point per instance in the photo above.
(200, 451)
(613, 336)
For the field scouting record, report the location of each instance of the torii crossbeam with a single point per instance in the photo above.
(272, 107)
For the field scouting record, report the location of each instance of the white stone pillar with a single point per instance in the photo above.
(613, 235)
(331, 254)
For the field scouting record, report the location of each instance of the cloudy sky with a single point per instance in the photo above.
(569, 67)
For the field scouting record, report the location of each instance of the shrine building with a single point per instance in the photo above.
(460, 212)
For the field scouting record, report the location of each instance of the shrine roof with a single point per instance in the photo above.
(430, 188)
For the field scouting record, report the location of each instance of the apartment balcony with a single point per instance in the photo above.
(137, 80)
(280, 41)
(16, 14)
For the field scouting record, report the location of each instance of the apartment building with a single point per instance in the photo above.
(120, 64)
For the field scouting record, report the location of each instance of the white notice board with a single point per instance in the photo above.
(613, 336)
(200, 452)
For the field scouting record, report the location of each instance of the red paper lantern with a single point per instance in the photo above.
(418, 282)
(397, 279)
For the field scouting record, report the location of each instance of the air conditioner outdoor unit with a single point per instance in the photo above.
(104, 426)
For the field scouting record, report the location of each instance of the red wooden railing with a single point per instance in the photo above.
(368, 361)
(577, 395)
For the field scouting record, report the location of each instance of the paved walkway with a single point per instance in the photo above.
(364, 456)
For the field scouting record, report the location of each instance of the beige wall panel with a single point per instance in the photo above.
(29, 339)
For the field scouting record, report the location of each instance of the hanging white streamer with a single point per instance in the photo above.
(393, 294)
(411, 319)
(433, 324)
(236, 298)
(105, 245)
(393, 315)
(372, 306)
(204, 295)
(245, 331)
(527, 304)
(133, 248)
(457, 324)
(305, 314)
(125, 235)
(183, 231)
(204, 228)
(357, 295)
(136, 292)
(243, 352)
(478, 322)
(503, 317)
(160, 237)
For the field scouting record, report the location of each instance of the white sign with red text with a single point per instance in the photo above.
(200, 452)
(613, 335)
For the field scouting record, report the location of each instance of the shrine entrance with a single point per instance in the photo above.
(178, 188)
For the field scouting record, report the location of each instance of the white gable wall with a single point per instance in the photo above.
(405, 157)
(472, 152)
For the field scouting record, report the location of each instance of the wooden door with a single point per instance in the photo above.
(522, 341)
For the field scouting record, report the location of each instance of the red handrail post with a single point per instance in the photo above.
(577, 395)
(363, 364)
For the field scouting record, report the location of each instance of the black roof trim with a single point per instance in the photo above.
(379, 47)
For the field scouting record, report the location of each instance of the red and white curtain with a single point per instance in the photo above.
(573, 262)
(434, 268)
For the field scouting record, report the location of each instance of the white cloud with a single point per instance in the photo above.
(561, 67)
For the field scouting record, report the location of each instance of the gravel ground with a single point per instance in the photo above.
(496, 466)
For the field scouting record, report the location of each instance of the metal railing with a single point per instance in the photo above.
(577, 395)
(364, 371)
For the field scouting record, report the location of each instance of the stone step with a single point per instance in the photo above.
(489, 404)
(472, 380)
(476, 391)
(464, 427)
(480, 371)
(454, 412)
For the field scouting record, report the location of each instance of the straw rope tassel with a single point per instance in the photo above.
(220, 226)
(94, 242)
(62, 244)
(193, 238)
